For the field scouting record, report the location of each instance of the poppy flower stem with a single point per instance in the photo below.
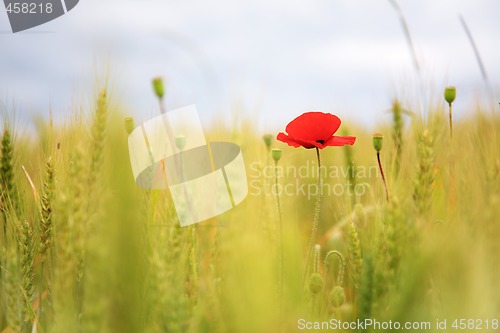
(280, 250)
(315, 225)
(383, 176)
(276, 154)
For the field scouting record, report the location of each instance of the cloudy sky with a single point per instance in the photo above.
(271, 60)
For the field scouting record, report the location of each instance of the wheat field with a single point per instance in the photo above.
(84, 249)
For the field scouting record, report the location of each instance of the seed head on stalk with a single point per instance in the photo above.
(316, 282)
(337, 295)
(129, 124)
(377, 145)
(159, 87)
(276, 153)
(268, 140)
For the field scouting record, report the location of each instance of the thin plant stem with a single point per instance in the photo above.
(314, 230)
(383, 176)
(451, 122)
(406, 31)
(280, 250)
(453, 186)
(315, 270)
(40, 292)
(163, 108)
(484, 74)
(340, 275)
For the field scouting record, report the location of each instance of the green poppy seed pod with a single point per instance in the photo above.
(268, 140)
(129, 124)
(158, 87)
(276, 153)
(180, 142)
(377, 141)
(450, 93)
(315, 283)
(337, 296)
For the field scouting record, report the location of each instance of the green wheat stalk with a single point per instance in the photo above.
(98, 136)
(12, 296)
(397, 133)
(425, 172)
(46, 209)
(27, 267)
(67, 258)
(354, 246)
(46, 227)
(8, 197)
(366, 289)
(351, 170)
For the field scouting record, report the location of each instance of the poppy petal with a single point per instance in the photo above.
(340, 141)
(294, 142)
(309, 144)
(288, 140)
(313, 126)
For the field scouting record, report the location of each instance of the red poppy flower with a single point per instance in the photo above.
(314, 130)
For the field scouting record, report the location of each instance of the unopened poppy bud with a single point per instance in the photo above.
(129, 124)
(449, 94)
(377, 141)
(276, 153)
(158, 87)
(315, 283)
(337, 296)
(180, 142)
(268, 140)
